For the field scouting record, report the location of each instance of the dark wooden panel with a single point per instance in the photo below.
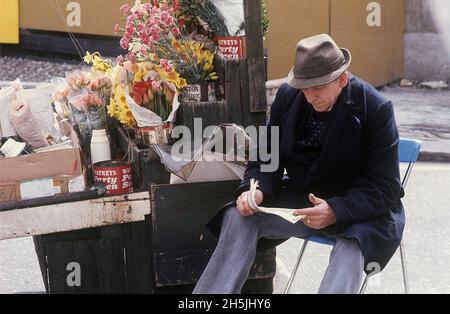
(87, 254)
(233, 91)
(181, 242)
(71, 236)
(112, 265)
(112, 260)
(245, 94)
(59, 255)
(137, 239)
(255, 56)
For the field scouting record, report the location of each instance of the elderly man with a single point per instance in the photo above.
(338, 145)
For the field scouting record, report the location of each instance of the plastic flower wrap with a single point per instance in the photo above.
(88, 112)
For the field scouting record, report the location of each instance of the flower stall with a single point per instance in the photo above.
(97, 180)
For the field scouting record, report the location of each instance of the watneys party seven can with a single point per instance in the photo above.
(116, 176)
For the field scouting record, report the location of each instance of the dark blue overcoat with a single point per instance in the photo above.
(357, 172)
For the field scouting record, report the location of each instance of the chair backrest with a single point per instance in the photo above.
(408, 152)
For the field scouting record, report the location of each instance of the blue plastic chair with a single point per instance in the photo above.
(408, 152)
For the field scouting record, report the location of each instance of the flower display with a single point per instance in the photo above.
(84, 97)
(150, 86)
(153, 34)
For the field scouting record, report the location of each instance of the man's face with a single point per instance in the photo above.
(324, 97)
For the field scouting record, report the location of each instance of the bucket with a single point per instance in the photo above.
(116, 176)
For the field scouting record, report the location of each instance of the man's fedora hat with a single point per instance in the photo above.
(318, 61)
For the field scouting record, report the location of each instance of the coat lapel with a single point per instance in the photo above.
(344, 133)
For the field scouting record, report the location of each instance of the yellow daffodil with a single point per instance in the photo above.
(97, 62)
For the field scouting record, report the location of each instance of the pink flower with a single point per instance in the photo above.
(93, 100)
(176, 5)
(165, 15)
(140, 27)
(131, 57)
(168, 21)
(120, 60)
(165, 64)
(94, 85)
(156, 85)
(175, 31)
(116, 29)
(125, 9)
(125, 42)
(147, 6)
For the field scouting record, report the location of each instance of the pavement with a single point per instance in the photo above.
(424, 115)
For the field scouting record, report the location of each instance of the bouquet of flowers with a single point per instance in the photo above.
(153, 34)
(150, 86)
(83, 97)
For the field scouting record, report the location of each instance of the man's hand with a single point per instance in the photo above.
(242, 204)
(318, 217)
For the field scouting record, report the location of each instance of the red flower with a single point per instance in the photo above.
(140, 89)
(138, 99)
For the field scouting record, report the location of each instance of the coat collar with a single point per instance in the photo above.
(344, 132)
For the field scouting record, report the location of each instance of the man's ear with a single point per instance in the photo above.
(343, 79)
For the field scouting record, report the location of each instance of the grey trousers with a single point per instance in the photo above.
(235, 253)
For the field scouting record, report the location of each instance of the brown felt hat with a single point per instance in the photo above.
(318, 61)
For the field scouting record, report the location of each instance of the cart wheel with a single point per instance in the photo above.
(258, 286)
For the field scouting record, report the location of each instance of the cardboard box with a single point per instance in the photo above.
(66, 162)
(43, 187)
(42, 174)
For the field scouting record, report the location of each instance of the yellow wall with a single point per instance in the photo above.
(96, 17)
(289, 21)
(9, 21)
(377, 51)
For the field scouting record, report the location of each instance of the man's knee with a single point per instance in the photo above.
(231, 213)
(348, 247)
(232, 217)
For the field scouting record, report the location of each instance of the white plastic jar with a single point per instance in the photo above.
(100, 147)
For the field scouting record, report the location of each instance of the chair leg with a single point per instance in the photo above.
(364, 285)
(404, 269)
(297, 264)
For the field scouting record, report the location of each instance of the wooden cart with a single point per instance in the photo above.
(155, 239)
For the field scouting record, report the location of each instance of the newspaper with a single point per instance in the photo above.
(284, 213)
